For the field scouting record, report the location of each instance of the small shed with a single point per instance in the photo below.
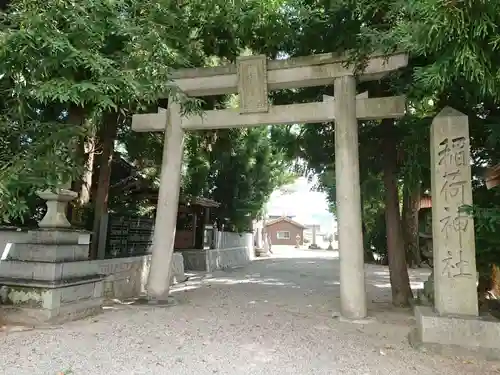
(285, 231)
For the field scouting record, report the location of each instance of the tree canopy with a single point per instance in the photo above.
(67, 67)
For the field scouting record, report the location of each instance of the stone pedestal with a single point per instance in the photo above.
(48, 279)
(56, 208)
(456, 335)
(453, 323)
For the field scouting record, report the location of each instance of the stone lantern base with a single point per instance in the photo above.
(56, 201)
(49, 279)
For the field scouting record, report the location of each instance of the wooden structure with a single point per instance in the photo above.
(195, 214)
(492, 177)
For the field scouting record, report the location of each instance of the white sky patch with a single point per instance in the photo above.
(307, 207)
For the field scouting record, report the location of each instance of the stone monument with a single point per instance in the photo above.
(453, 322)
(48, 279)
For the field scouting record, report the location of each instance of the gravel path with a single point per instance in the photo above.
(273, 317)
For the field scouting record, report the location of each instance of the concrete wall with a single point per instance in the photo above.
(279, 226)
(127, 277)
(233, 250)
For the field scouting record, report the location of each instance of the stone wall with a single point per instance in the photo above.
(233, 250)
(127, 277)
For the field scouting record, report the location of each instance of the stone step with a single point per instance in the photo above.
(59, 237)
(34, 316)
(50, 298)
(46, 252)
(12, 282)
(47, 271)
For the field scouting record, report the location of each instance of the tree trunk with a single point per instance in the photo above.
(495, 281)
(107, 136)
(400, 282)
(89, 149)
(411, 206)
(83, 186)
(76, 116)
(369, 258)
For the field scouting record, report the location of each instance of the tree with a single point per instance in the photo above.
(314, 20)
(63, 63)
(454, 51)
(239, 168)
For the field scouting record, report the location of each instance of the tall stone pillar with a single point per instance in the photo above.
(314, 234)
(453, 323)
(352, 276)
(258, 235)
(168, 201)
(455, 290)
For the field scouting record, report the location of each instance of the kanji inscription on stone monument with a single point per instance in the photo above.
(453, 228)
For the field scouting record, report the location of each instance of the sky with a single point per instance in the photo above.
(308, 207)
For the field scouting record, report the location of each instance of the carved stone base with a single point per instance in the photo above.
(35, 303)
(465, 336)
(48, 280)
(57, 202)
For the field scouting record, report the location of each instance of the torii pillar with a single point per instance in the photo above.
(348, 195)
(168, 204)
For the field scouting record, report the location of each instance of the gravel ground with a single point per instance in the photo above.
(276, 316)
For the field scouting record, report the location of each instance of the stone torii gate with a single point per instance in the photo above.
(252, 77)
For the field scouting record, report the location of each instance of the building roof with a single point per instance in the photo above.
(425, 201)
(199, 201)
(273, 217)
(284, 218)
(131, 180)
